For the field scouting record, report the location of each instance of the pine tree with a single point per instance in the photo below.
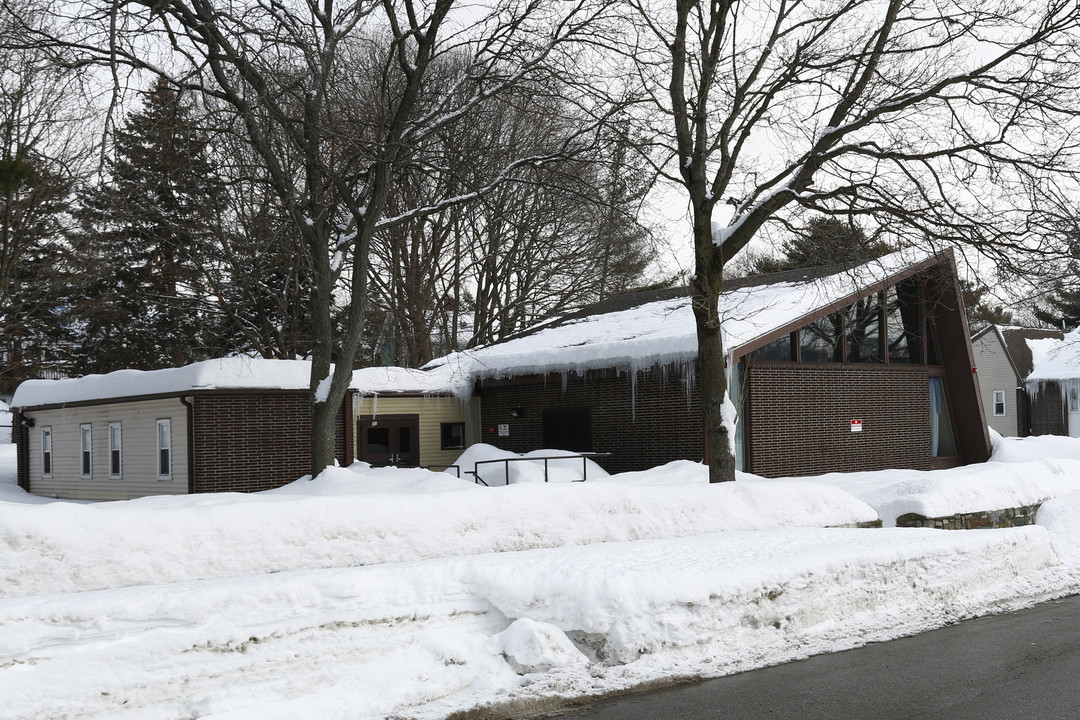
(823, 241)
(144, 233)
(1062, 308)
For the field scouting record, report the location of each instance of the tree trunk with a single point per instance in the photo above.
(705, 290)
(323, 435)
(712, 381)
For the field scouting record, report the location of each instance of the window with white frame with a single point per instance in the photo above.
(86, 456)
(999, 403)
(1073, 387)
(115, 454)
(46, 452)
(164, 448)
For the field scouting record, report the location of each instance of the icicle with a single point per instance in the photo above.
(689, 378)
(374, 405)
(633, 394)
(565, 378)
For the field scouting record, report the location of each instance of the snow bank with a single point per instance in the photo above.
(362, 516)
(1061, 517)
(1022, 471)
(425, 639)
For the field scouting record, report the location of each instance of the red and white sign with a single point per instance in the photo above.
(856, 426)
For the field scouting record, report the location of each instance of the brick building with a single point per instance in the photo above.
(831, 369)
(235, 424)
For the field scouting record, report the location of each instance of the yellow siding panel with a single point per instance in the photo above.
(432, 411)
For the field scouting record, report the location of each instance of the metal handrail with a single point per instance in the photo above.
(443, 468)
(506, 465)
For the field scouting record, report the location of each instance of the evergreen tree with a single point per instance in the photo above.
(980, 310)
(145, 232)
(823, 241)
(1061, 307)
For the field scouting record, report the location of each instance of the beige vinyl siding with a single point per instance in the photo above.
(433, 411)
(995, 372)
(138, 448)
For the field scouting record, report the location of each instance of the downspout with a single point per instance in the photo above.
(350, 430)
(22, 449)
(190, 444)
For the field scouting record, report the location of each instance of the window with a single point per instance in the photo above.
(46, 452)
(902, 323)
(820, 340)
(942, 441)
(453, 436)
(114, 450)
(1074, 395)
(86, 464)
(999, 403)
(164, 449)
(863, 323)
(780, 349)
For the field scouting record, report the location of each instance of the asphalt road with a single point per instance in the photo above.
(1020, 665)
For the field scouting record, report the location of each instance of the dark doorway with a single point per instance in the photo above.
(390, 440)
(568, 430)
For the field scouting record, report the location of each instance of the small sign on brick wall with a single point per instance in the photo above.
(504, 430)
(856, 426)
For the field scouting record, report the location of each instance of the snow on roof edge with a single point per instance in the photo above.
(231, 373)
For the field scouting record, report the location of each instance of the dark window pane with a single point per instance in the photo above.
(114, 462)
(378, 440)
(404, 439)
(864, 330)
(85, 463)
(902, 322)
(779, 350)
(820, 340)
(46, 463)
(453, 436)
(163, 461)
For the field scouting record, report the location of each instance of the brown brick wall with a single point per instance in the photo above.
(643, 427)
(245, 442)
(1048, 411)
(800, 419)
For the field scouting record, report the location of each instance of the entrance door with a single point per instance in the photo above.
(390, 440)
(567, 430)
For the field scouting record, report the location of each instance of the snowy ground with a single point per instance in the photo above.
(402, 593)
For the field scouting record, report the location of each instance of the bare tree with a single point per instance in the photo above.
(946, 122)
(41, 157)
(282, 67)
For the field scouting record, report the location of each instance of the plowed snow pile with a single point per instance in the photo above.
(382, 593)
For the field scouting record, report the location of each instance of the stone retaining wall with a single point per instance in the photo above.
(1009, 517)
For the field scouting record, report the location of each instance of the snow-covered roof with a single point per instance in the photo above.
(1059, 362)
(231, 373)
(663, 330)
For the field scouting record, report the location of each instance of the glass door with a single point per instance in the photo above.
(390, 440)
